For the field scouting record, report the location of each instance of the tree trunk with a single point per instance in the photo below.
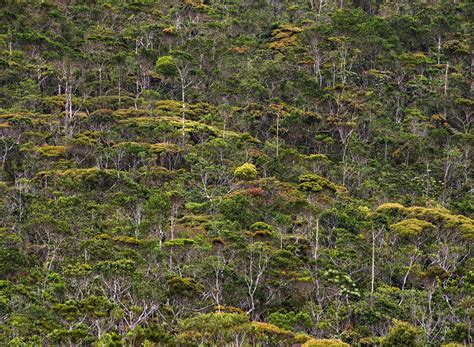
(183, 109)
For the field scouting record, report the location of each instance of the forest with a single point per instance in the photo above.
(236, 173)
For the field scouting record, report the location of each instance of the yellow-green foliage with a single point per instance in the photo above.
(246, 171)
(91, 178)
(411, 227)
(316, 157)
(192, 222)
(260, 226)
(260, 230)
(432, 215)
(175, 108)
(50, 151)
(217, 328)
(271, 333)
(439, 215)
(324, 343)
(179, 243)
(103, 236)
(315, 183)
(378, 73)
(164, 147)
(132, 113)
(284, 37)
(402, 334)
(390, 208)
(84, 139)
(127, 240)
(166, 66)
(191, 126)
(76, 173)
(133, 146)
(185, 286)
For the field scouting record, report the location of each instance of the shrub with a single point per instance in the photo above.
(246, 171)
(402, 334)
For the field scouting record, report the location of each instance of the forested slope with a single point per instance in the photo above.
(239, 172)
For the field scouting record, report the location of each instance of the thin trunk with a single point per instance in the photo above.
(446, 79)
(100, 81)
(68, 110)
(316, 244)
(119, 90)
(372, 277)
(439, 48)
(277, 134)
(183, 110)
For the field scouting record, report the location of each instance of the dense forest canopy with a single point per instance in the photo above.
(236, 172)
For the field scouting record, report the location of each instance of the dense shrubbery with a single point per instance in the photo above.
(236, 172)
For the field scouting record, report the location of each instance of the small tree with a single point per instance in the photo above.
(157, 211)
(177, 66)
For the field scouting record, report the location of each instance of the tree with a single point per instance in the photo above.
(157, 211)
(179, 66)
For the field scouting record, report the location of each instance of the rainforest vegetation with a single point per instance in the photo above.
(236, 173)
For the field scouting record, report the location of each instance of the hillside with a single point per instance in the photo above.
(236, 173)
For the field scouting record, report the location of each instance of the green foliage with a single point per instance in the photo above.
(246, 171)
(411, 227)
(166, 66)
(184, 286)
(291, 320)
(315, 183)
(214, 328)
(402, 334)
